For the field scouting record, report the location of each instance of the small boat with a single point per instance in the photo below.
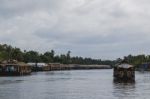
(124, 72)
(14, 69)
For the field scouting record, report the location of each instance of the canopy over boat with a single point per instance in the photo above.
(125, 66)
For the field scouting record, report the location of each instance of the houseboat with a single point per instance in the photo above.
(124, 72)
(37, 66)
(14, 69)
(53, 67)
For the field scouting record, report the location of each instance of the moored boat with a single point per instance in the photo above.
(14, 69)
(124, 72)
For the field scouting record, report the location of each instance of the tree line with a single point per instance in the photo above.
(135, 60)
(7, 52)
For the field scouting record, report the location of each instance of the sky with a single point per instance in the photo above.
(102, 29)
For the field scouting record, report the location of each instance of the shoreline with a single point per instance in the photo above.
(59, 67)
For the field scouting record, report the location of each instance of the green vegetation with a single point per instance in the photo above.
(137, 60)
(8, 52)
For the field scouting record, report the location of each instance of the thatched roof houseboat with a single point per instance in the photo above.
(14, 68)
(124, 72)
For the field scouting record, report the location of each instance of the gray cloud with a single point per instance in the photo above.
(89, 28)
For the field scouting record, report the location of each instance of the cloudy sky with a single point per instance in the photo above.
(105, 29)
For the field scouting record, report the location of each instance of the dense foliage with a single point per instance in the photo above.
(138, 59)
(8, 52)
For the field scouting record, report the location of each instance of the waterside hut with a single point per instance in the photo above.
(56, 66)
(37, 66)
(14, 68)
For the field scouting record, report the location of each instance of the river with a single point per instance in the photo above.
(78, 84)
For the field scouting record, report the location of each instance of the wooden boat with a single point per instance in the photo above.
(56, 67)
(124, 72)
(14, 69)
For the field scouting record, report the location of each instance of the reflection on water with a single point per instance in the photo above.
(86, 84)
(124, 90)
(9, 81)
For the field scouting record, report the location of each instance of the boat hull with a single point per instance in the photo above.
(124, 74)
(13, 74)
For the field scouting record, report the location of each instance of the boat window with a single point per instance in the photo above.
(10, 68)
(0, 68)
(7, 69)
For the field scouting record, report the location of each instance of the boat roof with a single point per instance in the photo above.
(125, 65)
(38, 64)
(14, 64)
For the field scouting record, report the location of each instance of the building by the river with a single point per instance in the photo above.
(14, 68)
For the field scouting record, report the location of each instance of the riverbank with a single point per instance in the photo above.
(58, 66)
(90, 67)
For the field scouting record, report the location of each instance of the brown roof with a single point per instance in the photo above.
(16, 64)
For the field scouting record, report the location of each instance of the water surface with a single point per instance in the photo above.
(79, 84)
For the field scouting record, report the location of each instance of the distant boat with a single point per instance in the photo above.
(14, 69)
(124, 72)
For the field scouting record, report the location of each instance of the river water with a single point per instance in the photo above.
(78, 84)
